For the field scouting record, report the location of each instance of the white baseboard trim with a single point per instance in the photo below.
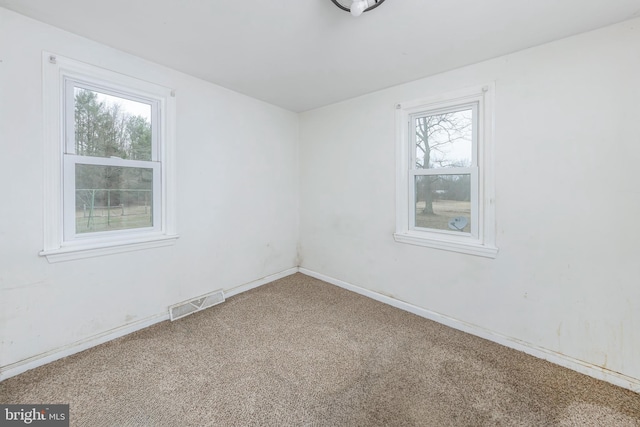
(21, 366)
(583, 367)
(78, 346)
(263, 281)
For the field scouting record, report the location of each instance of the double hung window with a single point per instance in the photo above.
(111, 162)
(444, 172)
(110, 140)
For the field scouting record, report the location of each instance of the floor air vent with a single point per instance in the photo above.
(186, 308)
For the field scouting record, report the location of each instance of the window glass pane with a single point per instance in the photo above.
(443, 202)
(444, 140)
(107, 126)
(113, 198)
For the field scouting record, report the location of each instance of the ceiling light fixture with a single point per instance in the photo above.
(359, 6)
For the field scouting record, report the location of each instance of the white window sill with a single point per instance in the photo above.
(471, 248)
(93, 249)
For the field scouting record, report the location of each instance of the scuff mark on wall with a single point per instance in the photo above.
(299, 259)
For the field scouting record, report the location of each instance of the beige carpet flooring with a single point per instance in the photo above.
(301, 352)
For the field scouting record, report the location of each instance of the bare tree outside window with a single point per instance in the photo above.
(444, 171)
(443, 142)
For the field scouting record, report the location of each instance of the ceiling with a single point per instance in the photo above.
(304, 54)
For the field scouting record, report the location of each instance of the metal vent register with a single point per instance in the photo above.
(186, 308)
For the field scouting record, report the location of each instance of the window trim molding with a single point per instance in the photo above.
(484, 243)
(55, 70)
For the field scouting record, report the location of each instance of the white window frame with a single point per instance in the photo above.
(481, 240)
(61, 243)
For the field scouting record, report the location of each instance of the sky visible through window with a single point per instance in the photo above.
(449, 137)
(133, 108)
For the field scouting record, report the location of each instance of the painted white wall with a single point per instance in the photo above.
(567, 144)
(237, 202)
